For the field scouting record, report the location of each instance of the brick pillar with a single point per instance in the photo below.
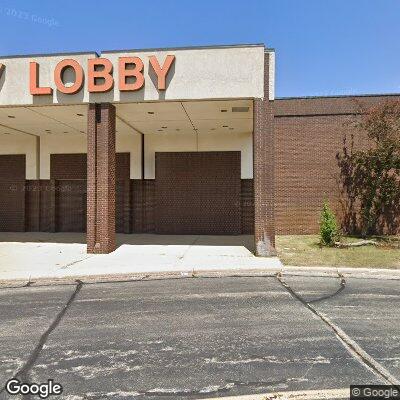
(263, 170)
(101, 178)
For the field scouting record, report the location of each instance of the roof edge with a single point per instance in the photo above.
(222, 46)
(76, 53)
(339, 96)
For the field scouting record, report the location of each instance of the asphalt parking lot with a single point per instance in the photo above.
(201, 337)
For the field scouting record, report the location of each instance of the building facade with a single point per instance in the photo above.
(168, 141)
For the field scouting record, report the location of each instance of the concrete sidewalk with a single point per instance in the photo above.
(27, 256)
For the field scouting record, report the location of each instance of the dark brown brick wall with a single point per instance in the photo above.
(32, 205)
(308, 134)
(12, 193)
(123, 206)
(70, 195)
(68, 166)
(143, 203)
(12, 206)
(40, 200)
(70, 206)
(74, 166)
(12, 167)
(197, 193)
(247, 206)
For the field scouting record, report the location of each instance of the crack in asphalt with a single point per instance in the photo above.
(329, 296)
(350, 344)
(23, 373)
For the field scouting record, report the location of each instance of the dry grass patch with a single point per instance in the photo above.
(306, 250)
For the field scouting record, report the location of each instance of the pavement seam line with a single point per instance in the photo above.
(22, 372)
(350, 344)
(329, 296)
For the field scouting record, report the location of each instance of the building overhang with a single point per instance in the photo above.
(175, 74)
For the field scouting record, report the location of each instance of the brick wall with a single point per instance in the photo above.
(74, 166)
(40, 205)
(142, 203)
(197, 193)
(308, 134)
(12, 192)
(247, 206)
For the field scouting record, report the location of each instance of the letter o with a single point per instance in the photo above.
(25, 388)
(34, 388)
(58, 74)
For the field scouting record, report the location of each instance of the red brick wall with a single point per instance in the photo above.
(197, 193)
(308, 134)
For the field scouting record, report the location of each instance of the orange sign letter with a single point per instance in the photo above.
(136, 72)
(58, 76)
(161, 72)
(105, 73)
(34, 81)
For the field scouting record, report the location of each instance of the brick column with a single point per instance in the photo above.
(101, 178)
(263, 170)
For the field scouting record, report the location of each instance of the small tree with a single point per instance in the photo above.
(370, 178)
(328, 226)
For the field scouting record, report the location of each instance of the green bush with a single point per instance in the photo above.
(328, 227)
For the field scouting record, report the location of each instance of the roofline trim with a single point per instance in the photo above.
(338, 96)
(77, 53)
(224, 46)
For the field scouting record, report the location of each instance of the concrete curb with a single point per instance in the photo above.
(359, 273)
(132, 277)
(326, 272)
(337, 394)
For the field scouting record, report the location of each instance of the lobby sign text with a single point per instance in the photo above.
(100, 77)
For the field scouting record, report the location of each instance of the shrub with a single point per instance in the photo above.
(328, 227)
(370, 177)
